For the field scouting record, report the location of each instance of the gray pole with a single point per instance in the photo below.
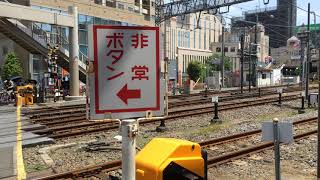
(308, 58)
(241, 61)
(166, 60)
(318, 144)
(104, 2)
(162, 126)
(128, 133)
(222, 58)
(254, 73)
(74, 53)
(250, 78)
(276, 148)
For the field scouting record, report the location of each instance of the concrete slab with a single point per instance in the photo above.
(8, 122)
(7, 163)
(28, 140)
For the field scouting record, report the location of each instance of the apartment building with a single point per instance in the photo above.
(189, 39)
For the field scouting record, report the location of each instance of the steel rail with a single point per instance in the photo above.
(114, 165)
(56, 133)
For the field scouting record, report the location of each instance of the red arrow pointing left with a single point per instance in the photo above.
(124, 94)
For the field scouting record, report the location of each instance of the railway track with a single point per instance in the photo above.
(74, 113)
(184, 101)
(100, 171)
(234, 91)
(74, 129)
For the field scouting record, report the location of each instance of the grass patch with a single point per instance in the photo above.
(204, 131)
(35, 167)
(281, 114)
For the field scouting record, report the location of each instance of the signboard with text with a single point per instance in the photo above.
(126, 79)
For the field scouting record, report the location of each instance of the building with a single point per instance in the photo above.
(105, 12)
(232, 48)
(290, 56)
(269, 75)
(186, 41)
(279, 21)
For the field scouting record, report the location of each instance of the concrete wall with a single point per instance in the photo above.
(276, 77)
(8, 46)
(264, 82)
(186, 55)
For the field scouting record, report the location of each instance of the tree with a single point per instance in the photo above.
(213, 63)
(195, 70)
(12, 67)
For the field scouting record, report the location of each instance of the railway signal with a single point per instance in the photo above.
(302, 110)
(280, 91)
(215, 100)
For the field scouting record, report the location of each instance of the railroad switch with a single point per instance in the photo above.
(167, 159)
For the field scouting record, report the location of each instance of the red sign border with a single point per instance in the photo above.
(95, 48)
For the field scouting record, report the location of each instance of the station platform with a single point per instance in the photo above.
(10, 144)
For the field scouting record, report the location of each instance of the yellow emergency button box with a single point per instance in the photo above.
(170, 159)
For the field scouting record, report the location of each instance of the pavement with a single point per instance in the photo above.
(15, 133)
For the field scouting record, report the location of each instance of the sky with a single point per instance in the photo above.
(302, 16)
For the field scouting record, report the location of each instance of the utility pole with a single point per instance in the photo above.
(308, 57)
(162, 127)
(241, 61)
(254, 73)
(222, 58)
(318, 144)
(250, 78)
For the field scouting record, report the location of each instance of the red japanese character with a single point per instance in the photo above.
(116, 58)
(116, 38)
(142, 41)
(115, 76)
(140, 72)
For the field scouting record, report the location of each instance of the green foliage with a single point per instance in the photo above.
(195, 70)
(12, 67)
(216, 67)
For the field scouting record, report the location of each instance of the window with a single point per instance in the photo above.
(83, 49)
(83, 37)
(233, 49)
(130, 9)
(89, 20)
(218, 49)
(82, 19)
(264, 76)
(120, 6)
(247, 77)
(152, 4)
(226, 49)
(97, 20)
(98, 1)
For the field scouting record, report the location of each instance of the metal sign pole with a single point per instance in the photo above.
(129, 129)
(276, 148)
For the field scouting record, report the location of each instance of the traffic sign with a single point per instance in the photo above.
(126, 79)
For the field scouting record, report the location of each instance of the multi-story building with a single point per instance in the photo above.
(232, 48)
(290, 56)
(105, 12)
(187, 40)
(279, 21)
